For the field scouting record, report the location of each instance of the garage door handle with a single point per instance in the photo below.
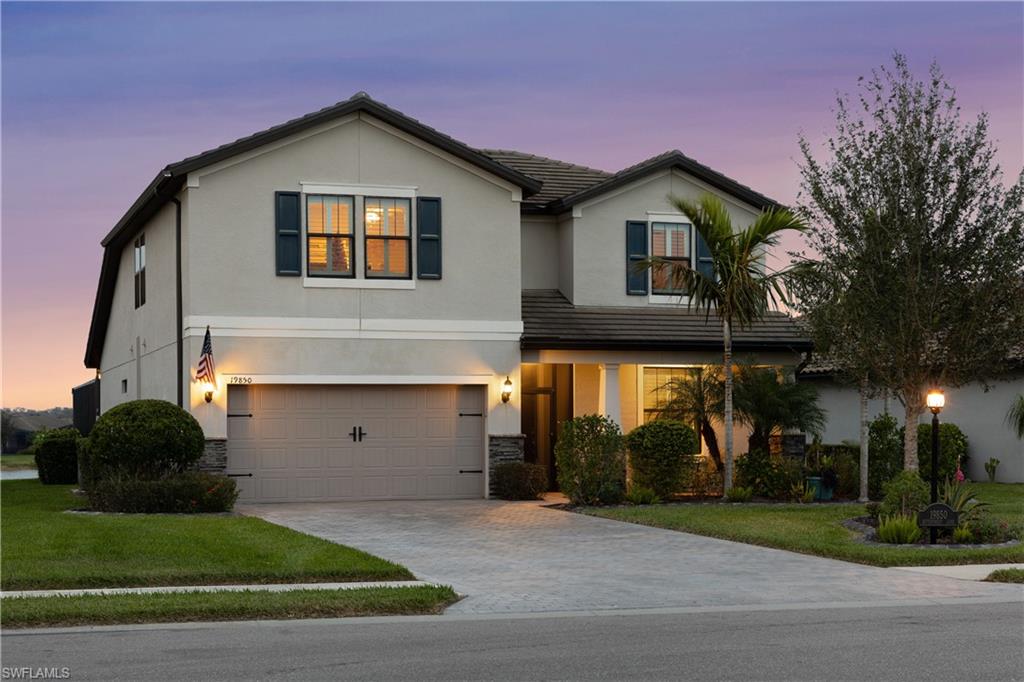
(361, 434)
(353, 434)
(238, 475)
(471, 414)
(471, 471)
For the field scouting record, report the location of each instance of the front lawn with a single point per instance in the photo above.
(21, 612)
(1006, 575)
(815, 529)
(17, 462)
(45, 548)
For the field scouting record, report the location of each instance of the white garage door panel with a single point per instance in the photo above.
(297, 443)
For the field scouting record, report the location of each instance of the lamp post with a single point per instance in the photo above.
(936, 401)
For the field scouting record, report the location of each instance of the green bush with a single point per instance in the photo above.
(739, 493)
(899, 529)
(885, 453)
(591, 460)
(706, 480)
(191, 492)
(905, 494)
(952, 450)
(56, 456)
(86, 472)
(145, 439)
(767, 476)
(961, 498)
(847, 469)
(873, 509)
(640, 495)
(988, 529)
(963, 534)
(519, 480)
(660, 452)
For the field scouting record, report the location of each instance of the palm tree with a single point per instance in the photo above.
(698, 399)
(768, 405)
(1015, 417)
(740, 288)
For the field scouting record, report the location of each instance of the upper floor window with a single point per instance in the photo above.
(388, 238)
(671, 242)
(140, 271)
(329, 235)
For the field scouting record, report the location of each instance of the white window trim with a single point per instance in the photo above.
(399, 191)
(672, 219)
(357, 283)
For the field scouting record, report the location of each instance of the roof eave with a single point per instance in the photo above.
(562, 343)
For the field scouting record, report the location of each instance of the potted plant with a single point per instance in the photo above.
(828, 479)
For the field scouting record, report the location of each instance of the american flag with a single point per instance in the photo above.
(207, 373)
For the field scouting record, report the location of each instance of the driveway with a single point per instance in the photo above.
(509, 557)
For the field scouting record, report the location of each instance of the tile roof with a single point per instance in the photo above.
(550, 321)
(559, 178)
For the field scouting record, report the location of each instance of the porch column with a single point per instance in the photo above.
(608, 395)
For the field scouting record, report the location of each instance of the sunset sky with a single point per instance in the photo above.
(98, 97)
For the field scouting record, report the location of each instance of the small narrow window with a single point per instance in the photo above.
(124, 385)
(669, 242)
(388, 238)
(140, 271)
(329, 235)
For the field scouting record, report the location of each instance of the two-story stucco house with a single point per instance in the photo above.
(392, 311)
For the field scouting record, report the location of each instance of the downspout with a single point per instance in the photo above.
(178, 310)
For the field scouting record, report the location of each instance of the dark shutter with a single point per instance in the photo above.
(705, 265)
(428, 238)
(636, 252)
(287, 231)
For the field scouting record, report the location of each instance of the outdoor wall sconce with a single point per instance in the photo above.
(506, 390)
(208, 392)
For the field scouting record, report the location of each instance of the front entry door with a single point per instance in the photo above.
(547, 402)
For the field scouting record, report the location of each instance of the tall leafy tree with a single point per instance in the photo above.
(699, 398)
(739, 289)
(1015, 417)
(921, 245)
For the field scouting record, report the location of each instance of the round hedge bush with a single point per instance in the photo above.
(591, 461)
(145, 439)
(57, 456)
(659, 452)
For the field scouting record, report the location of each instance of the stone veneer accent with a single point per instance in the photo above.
(215, 456)
(505, 448)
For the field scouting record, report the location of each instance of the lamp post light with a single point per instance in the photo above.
(935, 401)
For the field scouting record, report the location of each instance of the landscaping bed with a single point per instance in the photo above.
(22, 612)
(818, 528)
(45, 548)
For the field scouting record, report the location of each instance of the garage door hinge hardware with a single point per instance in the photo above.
(240, 415)
(471, 471)
(239, 475)
(471, 414)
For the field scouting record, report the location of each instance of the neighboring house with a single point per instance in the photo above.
(374, 286)
(980, 413)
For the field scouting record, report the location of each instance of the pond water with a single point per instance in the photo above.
(18, 475)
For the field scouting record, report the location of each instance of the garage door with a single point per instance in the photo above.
(321, 443)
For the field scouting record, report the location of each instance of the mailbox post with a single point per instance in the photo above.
(936, 401)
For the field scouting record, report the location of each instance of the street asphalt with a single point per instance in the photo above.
(966, 639)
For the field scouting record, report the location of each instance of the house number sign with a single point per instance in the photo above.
(239, 379)
(938, 515)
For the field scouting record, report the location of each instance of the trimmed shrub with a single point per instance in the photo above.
(905, 494)
(86, 472)
(519, 480)
(899, 529)
(767, 476)
(706, 480)
(952, 449)
(847, 469)
(591, 460)
(640, 495)
(963, 534)
(191, 492)
(738, 493)
(661, 452)
(145, 439)
(57, 456)
(873, 509)
(885, 453)
(988, 529)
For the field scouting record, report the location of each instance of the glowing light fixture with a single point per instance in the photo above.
(506, 390)
(936, 400)
(208, 391)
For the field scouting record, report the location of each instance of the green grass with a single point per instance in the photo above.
(1006, 575)
(21, 612)
(816, 529)
(44, 548)
(17, 462)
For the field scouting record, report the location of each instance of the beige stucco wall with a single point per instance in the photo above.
(980, 415)
(599, 234)
(140, 342)
(232, 250)
(540, 252)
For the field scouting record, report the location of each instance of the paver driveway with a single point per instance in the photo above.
(522, 557)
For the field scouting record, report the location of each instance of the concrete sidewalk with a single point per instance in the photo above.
(214, 588)
(968, 572)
